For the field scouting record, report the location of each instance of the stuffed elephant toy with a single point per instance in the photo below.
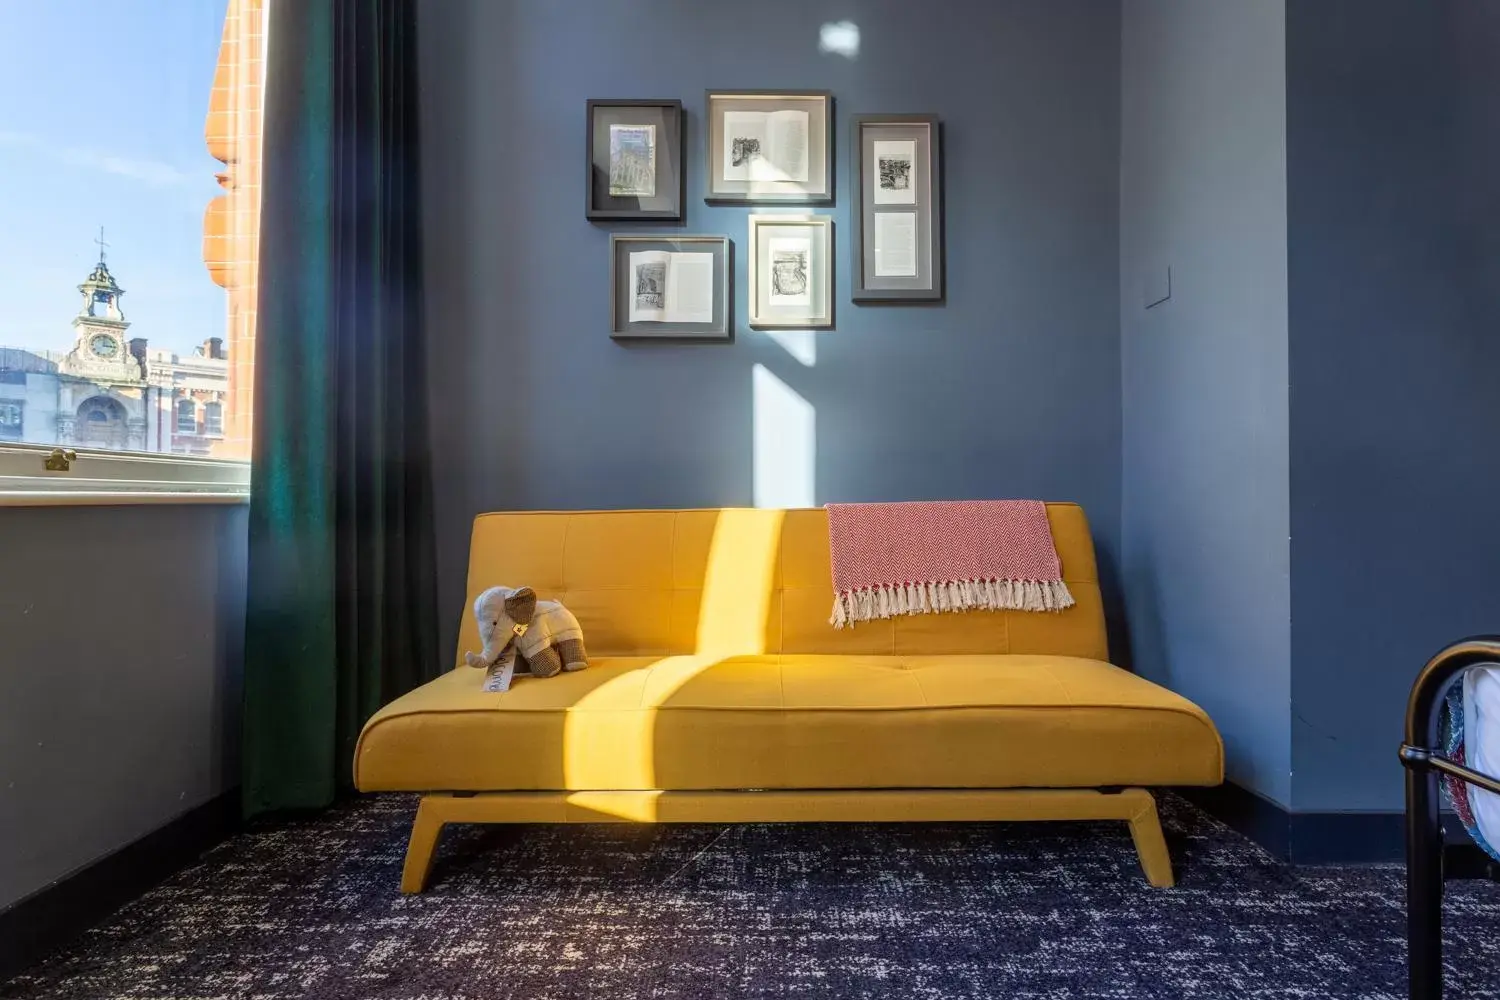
(545, 634)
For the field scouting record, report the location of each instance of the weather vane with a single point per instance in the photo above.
(102, 244)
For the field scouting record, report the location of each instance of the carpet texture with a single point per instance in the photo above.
(311, 909)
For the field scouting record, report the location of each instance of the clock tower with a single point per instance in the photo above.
(100, 350)
(103, 400)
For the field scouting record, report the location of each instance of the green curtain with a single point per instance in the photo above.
(341, 617)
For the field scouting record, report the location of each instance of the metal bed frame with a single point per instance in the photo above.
(1429, 860)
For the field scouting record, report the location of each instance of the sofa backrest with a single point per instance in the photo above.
(733, 581)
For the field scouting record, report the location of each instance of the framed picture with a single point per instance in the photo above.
(770, 146)
(671, 287)
(791, 272)
(897, 168)
(635, 155)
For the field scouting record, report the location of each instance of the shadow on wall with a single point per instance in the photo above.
(229, 641)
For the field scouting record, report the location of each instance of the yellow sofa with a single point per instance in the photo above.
(718, 692)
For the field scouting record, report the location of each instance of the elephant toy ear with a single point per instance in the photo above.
(520, 606)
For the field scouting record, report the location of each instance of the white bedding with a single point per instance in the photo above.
(1482, 744)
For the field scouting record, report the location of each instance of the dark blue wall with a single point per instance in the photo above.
(121, 630)
(1206, 562)
(1011, 389)
(1393, 155)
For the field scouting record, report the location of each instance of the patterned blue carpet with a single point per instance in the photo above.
(1056, 911)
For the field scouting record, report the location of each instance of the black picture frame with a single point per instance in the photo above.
(620, 247)
(820, 145)
(928, 284)
(670, 195)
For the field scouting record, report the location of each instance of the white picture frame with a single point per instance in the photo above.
(791, 272)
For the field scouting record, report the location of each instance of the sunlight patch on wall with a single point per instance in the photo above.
(786, 443)
(840, 38)
(800, 344)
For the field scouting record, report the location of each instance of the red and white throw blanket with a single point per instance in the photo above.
(916, 558)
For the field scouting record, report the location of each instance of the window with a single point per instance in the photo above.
(10, 420)
(187, 417)
(155, 212)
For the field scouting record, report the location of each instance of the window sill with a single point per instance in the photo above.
(116, 479)
(83, 498)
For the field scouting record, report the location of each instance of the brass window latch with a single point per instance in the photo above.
(59, 460)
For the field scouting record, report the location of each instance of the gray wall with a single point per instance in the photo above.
(1392, 158)
(1204, 374)
(1011, 389)
(120, 638)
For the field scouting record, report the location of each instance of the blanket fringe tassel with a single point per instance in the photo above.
(890, 600)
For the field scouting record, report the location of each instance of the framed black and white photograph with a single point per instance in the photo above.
(769, 146)
(791, 272)
(635, 160)
(896, 172)
(667, 286)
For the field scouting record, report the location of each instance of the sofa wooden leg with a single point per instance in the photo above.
(425, 830)
(1145, 830)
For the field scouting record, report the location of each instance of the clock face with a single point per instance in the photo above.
(104, 345)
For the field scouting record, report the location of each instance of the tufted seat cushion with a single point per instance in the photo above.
(794, 721)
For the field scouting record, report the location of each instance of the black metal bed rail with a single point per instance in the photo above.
(1422, 755)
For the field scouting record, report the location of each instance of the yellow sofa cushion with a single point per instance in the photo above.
(735, 581)
(794, 721)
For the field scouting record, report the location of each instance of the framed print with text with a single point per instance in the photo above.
(897, 173)
(670, 286)
(770, 146)
(635, 160)
(791, 272)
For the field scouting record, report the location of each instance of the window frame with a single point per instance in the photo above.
(185, 406)
(119, 478)
(20, 432)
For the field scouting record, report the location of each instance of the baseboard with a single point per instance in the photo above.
(1310, 838)
(1347, 838)
(52, 916)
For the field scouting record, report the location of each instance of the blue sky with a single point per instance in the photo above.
(102, 105)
